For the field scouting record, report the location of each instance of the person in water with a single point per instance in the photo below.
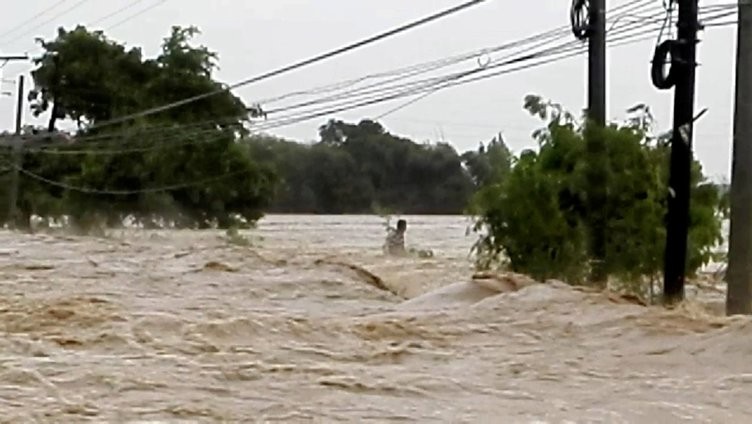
(395, 239)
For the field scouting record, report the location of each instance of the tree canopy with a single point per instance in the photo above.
(197, 165)
(362, 168)
(114, 171)
(536, 218)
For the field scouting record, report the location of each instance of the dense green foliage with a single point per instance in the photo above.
(362, 169)
(536, 218)
(86, 78)
(197, 166)
(213, 172)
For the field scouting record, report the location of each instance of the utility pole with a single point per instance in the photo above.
(17, 156)
(683, 64)
(739, 273)
(594, 31)
(595, 141)
(4, 59)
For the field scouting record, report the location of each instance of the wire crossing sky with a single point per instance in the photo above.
(271, 35)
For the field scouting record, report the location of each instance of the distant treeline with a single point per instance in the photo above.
(362, 168)
(198, 165)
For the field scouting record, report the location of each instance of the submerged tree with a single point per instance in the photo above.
(117, 170)
(536, 218)
(359, 168)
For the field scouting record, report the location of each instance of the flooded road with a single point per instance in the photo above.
(312, 324)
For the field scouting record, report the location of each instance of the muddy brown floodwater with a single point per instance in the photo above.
(313, 324)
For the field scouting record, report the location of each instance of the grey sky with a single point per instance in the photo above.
(254, 36)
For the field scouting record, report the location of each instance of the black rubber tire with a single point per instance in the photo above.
(662, 80)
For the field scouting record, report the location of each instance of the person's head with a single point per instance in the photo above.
(401, 225)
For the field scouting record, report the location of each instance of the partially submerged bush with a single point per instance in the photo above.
(536, 220)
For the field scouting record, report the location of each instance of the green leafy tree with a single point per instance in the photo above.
(536, 218)
(362, 168)
(489, 163)
(195, 150)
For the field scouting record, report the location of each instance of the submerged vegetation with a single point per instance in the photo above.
(535, 217)
(199, 166)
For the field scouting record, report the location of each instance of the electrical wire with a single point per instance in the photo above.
(421, 68)
(300, 64)
(626, 39)
(558, 49)
(52, 19)
(167, 188)
(143, 149)
(380, 87)
(31, 19)
(612, 40)
(137, 14)
(130, 5)
(629, 39)
(421, 84)
(369, 102)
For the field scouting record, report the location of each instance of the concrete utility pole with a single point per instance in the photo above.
(17, 156)
(739, 273)
(683, 64)
(595, 143)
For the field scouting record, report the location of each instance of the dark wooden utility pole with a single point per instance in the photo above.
(17, 156)
(739, 273)
(597, 62)
(15, 141)
(683, 64)
(588, 20)
(595, 142)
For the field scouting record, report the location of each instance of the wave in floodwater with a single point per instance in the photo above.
(313, 324)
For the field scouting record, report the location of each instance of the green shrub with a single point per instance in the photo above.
(536, 220)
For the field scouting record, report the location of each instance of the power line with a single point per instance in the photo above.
(405, 105)
(619, 41)
(438, 83)
(294, 118)
(432, 81)
(137, 14)
(380, 85)
(414, 69)
(31, 19)
(375, 87)
(435, 81)
(561, 55)
(186, 139)
(116, 12)
(87, 190)
(52, 19)
(426, 67)
(554, 50)
(300, 64)
(166, 188)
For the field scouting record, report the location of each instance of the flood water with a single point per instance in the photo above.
(311, 323)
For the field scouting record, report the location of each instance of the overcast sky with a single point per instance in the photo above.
(254, 36)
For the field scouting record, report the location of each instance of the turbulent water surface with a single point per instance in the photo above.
(313, 324)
